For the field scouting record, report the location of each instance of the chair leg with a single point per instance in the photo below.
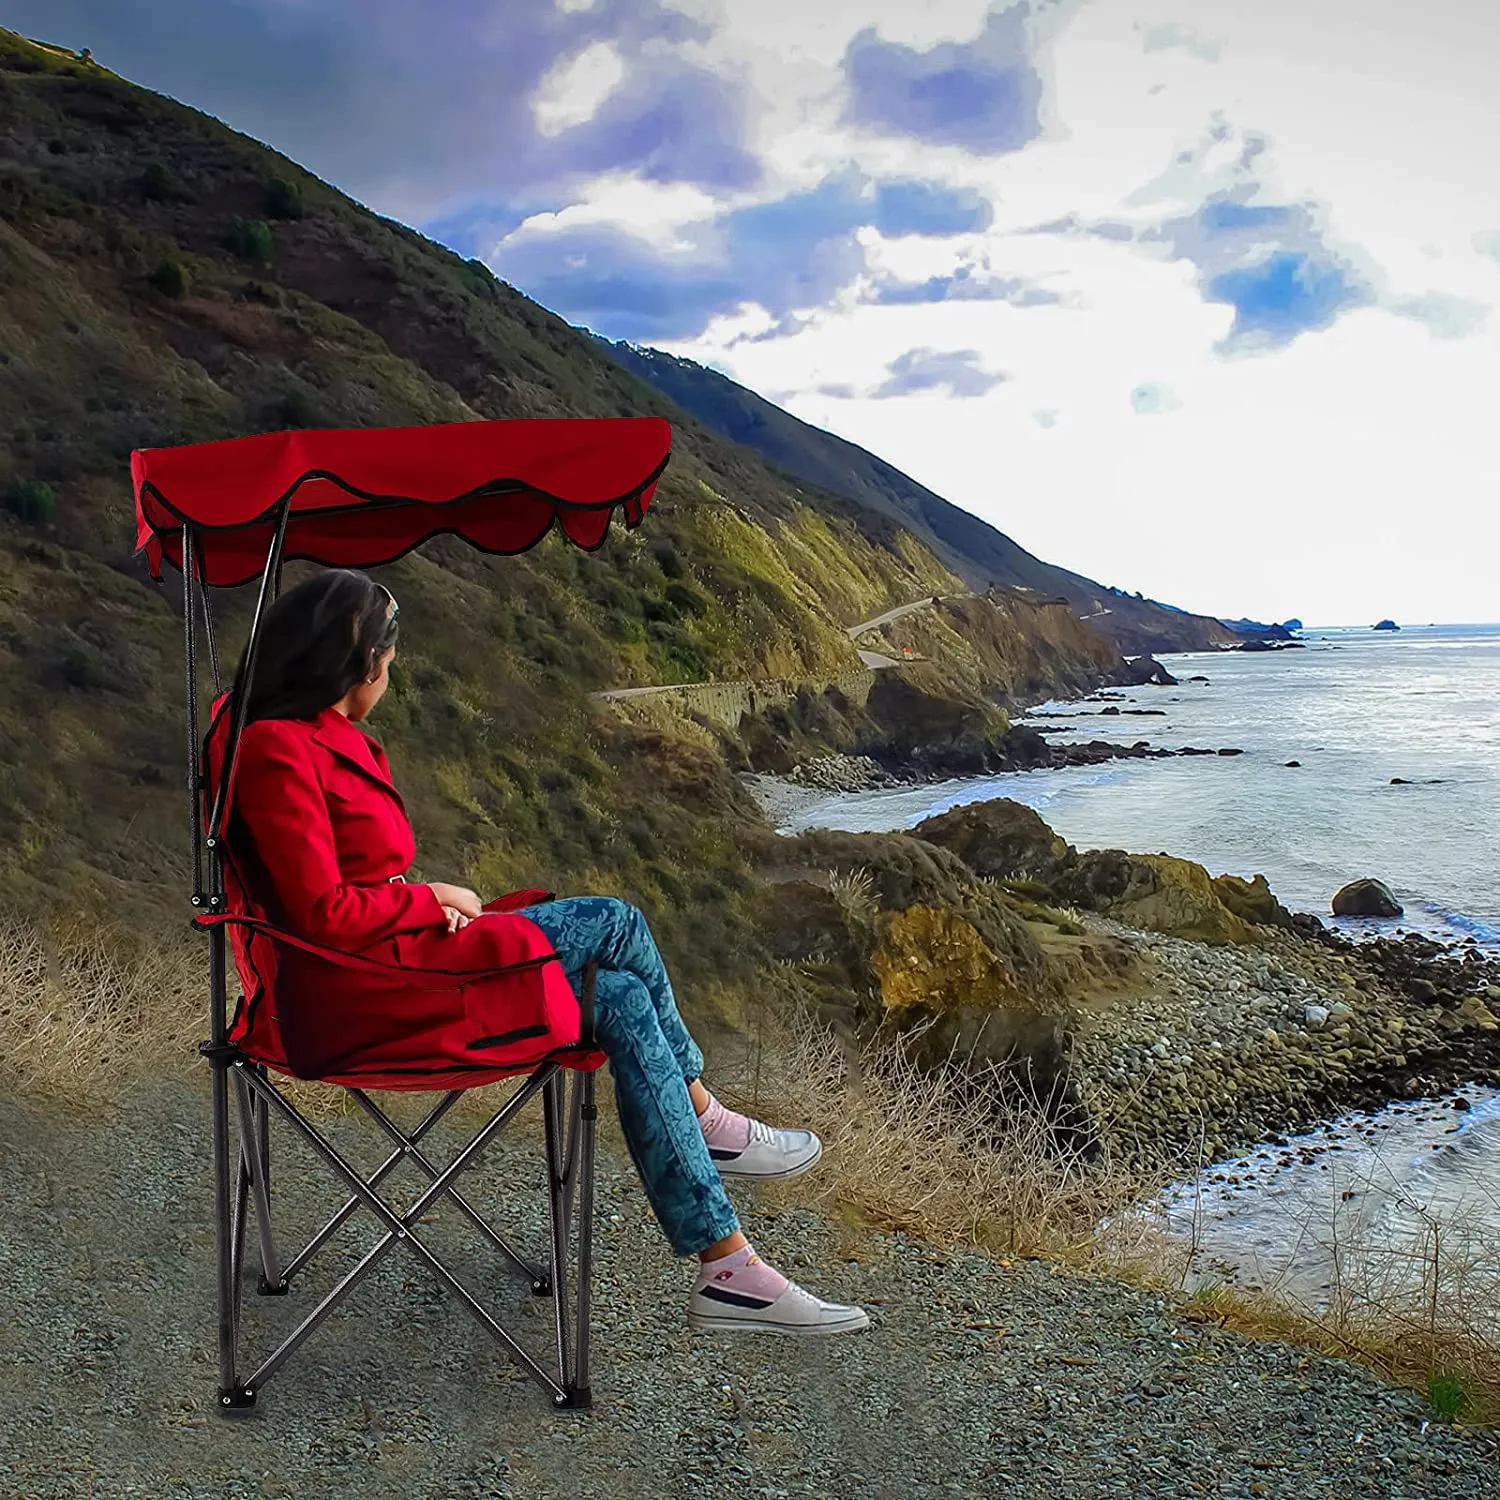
(239, 1213)
(400, 1229)
(253, 1125)
(581, 1395)
(570, 1125)
(274, 1282)
(557, 1213)
(231, 1393)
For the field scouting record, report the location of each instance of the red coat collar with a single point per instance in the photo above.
(338, 733)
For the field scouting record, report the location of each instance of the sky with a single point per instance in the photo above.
(1196, 297)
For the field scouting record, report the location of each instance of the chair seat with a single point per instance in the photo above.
(441, 1077)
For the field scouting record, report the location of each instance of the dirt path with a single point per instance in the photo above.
(977, 1379)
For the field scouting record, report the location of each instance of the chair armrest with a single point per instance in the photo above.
(516, 900)
(423, 978)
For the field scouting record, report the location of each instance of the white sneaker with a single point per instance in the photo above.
(714, 1309)
(770, 1154)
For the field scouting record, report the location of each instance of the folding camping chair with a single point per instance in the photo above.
(223, 514)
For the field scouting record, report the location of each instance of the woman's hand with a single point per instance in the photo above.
(456, 919)
(454, 898)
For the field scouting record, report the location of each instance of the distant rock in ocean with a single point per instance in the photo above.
(1386, 625)
(1256, 630)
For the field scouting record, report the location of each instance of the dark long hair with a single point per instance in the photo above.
(318, 640)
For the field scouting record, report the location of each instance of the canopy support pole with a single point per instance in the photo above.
(242, 688)
(233, 1391)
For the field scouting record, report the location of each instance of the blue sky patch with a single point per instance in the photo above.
(1288, 293)
(984, 95)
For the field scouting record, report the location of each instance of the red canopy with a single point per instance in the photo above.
(369, 495)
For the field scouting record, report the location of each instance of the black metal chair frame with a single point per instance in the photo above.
(569, 1115)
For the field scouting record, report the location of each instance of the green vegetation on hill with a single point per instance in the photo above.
(975, 550)
(165, 280)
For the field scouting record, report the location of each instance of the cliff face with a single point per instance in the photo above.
(164, 280)
(978, 552)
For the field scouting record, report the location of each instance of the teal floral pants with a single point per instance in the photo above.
(653, 1059)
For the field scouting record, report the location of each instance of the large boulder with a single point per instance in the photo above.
(1366, 898)
(1145, 671)
(1002, 839)
(1252, 900)
(1155, 892)
(940, 961)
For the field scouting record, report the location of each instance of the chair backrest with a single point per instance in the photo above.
(267, 969)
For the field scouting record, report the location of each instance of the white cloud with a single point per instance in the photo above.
(1444, 316)
(659, 213)
(1347, 473)
(572, 93)
(1167, 35)
(1152, 397)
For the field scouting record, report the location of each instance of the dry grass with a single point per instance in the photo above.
(1456, 1367)
(948, 1153)
(82, 1008)
(1413, 1293)
(928, 1153)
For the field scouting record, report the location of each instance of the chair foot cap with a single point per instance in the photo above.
(576, 1398)
(541, 1287)
(235, 1398)
(265, 1288)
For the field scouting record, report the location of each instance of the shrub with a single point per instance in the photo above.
(688, 600)
(1447, 1396)
(32, 501)
(284, 198)
(684, 662)
(668, 559)
(159, 184)
(73, 662)
(171, 279)
(625, 628)
(295, 407)
(252, 240)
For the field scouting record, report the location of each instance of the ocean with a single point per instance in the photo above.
(1357, 1204)
(1357, 708)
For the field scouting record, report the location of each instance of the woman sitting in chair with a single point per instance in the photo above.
(312, 793)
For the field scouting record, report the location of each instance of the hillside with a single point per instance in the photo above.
(165, 280)
(975, 550)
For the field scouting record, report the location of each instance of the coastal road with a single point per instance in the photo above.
(874, 660)
(643, 692)
(901, 611)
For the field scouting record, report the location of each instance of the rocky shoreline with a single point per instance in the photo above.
(1230, 1045)
(1221, 1020)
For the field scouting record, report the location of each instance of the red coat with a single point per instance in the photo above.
(319, 845)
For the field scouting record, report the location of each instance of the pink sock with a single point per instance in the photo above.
(743, 1272)
(723, 1129)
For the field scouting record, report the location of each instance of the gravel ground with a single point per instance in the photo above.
(977, 1379)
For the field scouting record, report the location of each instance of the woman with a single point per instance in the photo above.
(315, 816)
